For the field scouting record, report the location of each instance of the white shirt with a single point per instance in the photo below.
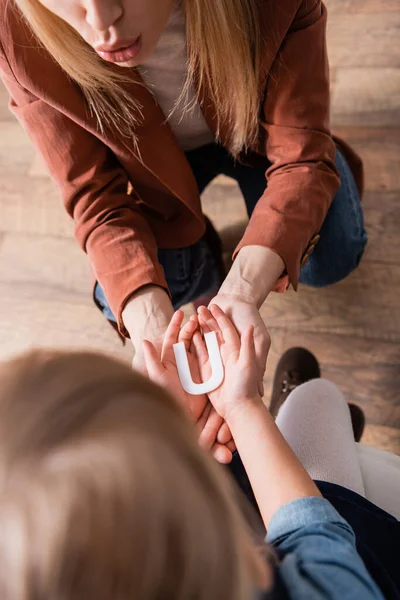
(164, 73)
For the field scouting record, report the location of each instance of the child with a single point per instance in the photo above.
(106, 494)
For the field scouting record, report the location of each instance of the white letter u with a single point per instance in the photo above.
(217, 368)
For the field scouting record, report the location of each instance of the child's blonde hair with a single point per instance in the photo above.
(105, 494)
(224, 42)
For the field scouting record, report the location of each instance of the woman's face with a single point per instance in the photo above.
(124, 32)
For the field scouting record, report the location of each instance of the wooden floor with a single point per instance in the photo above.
(353, 327)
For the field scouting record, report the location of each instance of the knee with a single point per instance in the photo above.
(323, 387)
(322, 271)
(318, 392)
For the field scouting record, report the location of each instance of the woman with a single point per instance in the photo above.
(106, 495)
(235, 87)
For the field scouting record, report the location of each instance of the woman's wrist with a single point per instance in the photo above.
(253, 275)
(147, 313)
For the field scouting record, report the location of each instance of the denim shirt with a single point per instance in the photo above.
(318, 553)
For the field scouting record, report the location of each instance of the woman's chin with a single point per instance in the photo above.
(128, 64)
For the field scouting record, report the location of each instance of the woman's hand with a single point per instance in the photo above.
(251, 278)
(161, 368)
(147, 315)
(240, 385)
(243, 315)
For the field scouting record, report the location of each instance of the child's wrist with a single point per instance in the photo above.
(239, 412)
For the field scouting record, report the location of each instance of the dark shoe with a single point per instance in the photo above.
(296, 366)
(357, 420)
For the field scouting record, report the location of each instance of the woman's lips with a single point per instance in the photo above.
(121, 55)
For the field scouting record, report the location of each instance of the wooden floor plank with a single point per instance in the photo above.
(382, 222)
(221, 198)
(338, 7)
(50, 323)
(32, 206)
(366, 96)
(364, 40)
(16, 151)
(351, 307)
(345, 7)
(45, 265)
(380, 150)
(5, 114)
(375, 6)
(38, 167)
(385, 438)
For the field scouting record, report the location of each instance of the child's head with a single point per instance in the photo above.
(105, 494)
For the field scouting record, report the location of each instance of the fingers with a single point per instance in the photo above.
(222, 454)
(225, 438)
(172, 334)
(224, 323)
(214, 319)
(152, 362)
(224, 434)
(176, 333)
(210, 430)
(231, 446)
(200, 350)
(203, 418)
(209, 424)
(206, 320)
(187, 331)
(200, 346)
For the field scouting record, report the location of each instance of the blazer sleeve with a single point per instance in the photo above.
(302, 179)
(94, 187)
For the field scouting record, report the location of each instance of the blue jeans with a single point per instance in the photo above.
(191, 272)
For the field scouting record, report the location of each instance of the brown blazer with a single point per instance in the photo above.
(120, 226)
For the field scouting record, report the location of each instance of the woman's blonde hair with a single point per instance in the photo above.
(223, 38)
(105, 494)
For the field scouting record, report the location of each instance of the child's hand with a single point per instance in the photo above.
(163, 371)
(240, 384)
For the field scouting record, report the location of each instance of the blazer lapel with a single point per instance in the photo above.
(157, 148)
